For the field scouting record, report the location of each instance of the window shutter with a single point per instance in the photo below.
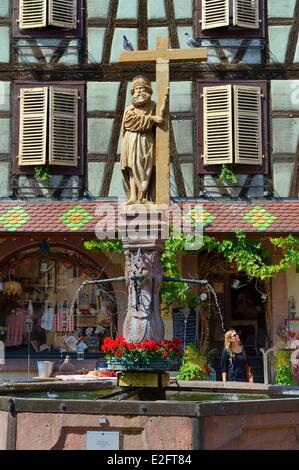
(33, 126)
(218, 131)
(63, 13)
(215, 14)
(246, 13)
(248, 125)
(33, 14)
(63, 133)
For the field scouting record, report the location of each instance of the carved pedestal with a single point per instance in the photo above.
(144, 277)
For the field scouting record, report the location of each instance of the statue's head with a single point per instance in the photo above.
(141, 91)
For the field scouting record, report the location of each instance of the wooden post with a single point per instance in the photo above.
(162, 56)
(162, 132)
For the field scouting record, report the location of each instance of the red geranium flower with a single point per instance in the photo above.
(144, 351)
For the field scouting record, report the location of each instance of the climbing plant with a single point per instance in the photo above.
(102, 246)
(247, 256)
(250, 256)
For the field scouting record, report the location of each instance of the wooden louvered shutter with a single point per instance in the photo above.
(218, 126)
(215, 14)
(63, 13)
(246, 13)
(248, 125)
(63, 133)
(33, 126)
(33, 14)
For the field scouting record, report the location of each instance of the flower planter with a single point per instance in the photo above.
(152, 365)
(148, 355)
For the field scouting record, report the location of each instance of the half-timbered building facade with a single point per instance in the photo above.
(62, 97)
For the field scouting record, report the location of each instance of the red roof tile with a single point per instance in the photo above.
(81, 217)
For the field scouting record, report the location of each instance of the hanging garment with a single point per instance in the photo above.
(16, 330)
(64, 322)
(47, 321)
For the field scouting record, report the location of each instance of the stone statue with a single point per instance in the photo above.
(144, 277)
(138, 145)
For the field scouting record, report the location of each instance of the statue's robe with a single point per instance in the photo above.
(138, 146)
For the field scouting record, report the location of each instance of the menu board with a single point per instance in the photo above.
(187, 333)
(292, 330)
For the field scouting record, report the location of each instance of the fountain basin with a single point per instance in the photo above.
(265, 417)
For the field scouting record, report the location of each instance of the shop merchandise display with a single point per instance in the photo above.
(43, 287)
(15, 324)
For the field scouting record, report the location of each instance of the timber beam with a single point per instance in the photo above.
(178, 71)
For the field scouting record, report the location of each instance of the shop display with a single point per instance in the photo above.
(43, 286)
(15, 324)
(12, 289)
(67, 368)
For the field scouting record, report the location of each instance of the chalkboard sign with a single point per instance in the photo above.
(179, 326)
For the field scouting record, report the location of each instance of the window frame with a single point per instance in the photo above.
(48, 32)
(24, 170)
(233, 32)
(239, 168)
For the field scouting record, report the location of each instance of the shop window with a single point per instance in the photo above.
(49, 127)
(43, 286)
(48, 18)
(230, 18)
(233, 127)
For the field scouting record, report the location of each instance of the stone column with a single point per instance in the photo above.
(144, 276)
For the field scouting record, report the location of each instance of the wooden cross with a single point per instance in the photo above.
(161, 57)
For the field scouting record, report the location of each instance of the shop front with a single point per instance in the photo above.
(41, 311)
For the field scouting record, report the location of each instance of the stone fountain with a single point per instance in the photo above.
(35, 423)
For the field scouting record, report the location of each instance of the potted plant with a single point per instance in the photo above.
(227, 175)
(42, 173)
(196, 364)
(283, 367)
(147, 355)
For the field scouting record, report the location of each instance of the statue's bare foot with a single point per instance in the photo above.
(145, 201)
(130, 201)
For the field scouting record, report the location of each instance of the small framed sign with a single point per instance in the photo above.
(103, 440)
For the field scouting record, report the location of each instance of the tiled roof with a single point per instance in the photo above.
(82, 217)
